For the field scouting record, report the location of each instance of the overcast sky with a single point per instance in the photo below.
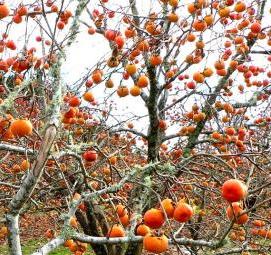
(90, 48)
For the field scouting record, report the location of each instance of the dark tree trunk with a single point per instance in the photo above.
(91, 227)
(153, 146)
(154, 140)
(134, 249)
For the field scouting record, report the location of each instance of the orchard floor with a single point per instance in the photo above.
(33, 228)
(31, 246)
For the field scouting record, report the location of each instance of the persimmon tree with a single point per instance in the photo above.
(186, 171)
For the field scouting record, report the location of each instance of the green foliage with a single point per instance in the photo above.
(166, 168)
(31, 246)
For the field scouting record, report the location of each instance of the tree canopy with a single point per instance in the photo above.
(143, 126)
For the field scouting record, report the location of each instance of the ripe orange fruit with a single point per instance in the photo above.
(50, 233)
(25, 165)
(121, 210)
(122, 91)
(228, 108)
(192, 8)
(130, 32)
(191, 85)
(224, 12)
(234, 212)
(142, 230)
(199, 117)
(256, 27)
(68, 243)
(116, 231)
(142, 81)
(73, 247)
(230, 131)
(240, 6)
(200, 44)
(221, 72)
(90, 156)
(202, 3)
(208, 72)
(191, 37)
(234, 190)
(155, 244)
(162, 124)
(168, 206)
(216, 135)
(119, 40)
(106, 171)
(17, 19)
(54, 8)
(11, 44)
(71, 113)
(183, 212)
(143, 46)
(154, 218)
(135, 91)
(170, 74)
(258, 223)
(219, 65)
(4, 11)
(91, 30)
(21, 127)
(3, 231)
(155, 60)
(97, 77)
(8, 135)
(198, 77)
(88, 96)
(73, 222)
(76, 196)
(60, 25)
(173, 3)
(74, 101)
(173, 17)
(209, 19)
(113, 160)
(82, 207)
(200, 25)
(22, 10)
(131, 69)
(109, 84)
(125, 220)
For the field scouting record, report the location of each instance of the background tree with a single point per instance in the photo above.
(188, 166)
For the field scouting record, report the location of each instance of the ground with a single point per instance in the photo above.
(33, 228)
(31, 246)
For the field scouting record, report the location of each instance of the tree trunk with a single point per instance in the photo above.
(91, 227)
(154, 140)
(26, 190)
(140, 193)
(134, 249)
(14, 237)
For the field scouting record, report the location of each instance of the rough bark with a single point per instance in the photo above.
(154, 140)
(26, 190)
(95, 229)
(47, 248)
